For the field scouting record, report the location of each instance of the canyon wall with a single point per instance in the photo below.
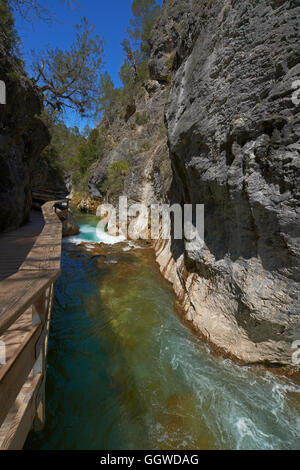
(222, 78)
(23, 136)
(141, 141)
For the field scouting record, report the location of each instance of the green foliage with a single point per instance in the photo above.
(145, 146)
(143, 71)
(145, 14)
(114, 183)
(88, 151)
(72, 152)
(67, 78)
(13, 76)
(62, 152)
(80, 182)
(134, 70)
(128, 79)
(109, 100)
(141, 118)
(8, 37)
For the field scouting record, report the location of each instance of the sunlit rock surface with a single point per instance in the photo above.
(222, 80)
(234, 143)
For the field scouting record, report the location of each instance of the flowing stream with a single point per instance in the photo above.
(125, 373)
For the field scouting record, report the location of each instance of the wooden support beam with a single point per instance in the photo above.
(15, 429)
(40, 406)
(15, 373)
(20, 291)
(40, 364)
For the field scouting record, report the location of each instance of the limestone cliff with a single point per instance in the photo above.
(141, 141)
(226, 70)
(22, 138)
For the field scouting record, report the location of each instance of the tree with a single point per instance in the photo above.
(136, 46)
(72, 78)
(133, 57)
(88, 151)
(62, 151)
(129, 79)
(109, 98)
(8, 37)
(146, 13)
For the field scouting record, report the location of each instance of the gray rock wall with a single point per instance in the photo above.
(23, 136)
(234, 144)
(142, 145)
(222, 74)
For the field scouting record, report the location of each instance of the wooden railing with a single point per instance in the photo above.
(43, 195)
(25, 310)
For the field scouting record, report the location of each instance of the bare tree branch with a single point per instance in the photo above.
(72, 78)
(30, 9)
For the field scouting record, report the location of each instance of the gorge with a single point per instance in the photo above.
(226, 73)
(167, 344)
(126, 370)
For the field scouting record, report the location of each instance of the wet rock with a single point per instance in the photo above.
(70, 225)
(88, 205)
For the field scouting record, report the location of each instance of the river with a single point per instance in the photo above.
(125, 373)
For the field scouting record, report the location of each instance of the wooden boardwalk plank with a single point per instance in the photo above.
(16, 245)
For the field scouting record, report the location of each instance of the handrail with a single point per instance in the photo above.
(51, 193)
(26, 300)
(42, 195)
(47, 191)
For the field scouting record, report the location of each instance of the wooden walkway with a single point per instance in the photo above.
(15, 245)
(29, 266)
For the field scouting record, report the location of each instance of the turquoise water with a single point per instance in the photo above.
(125, 373)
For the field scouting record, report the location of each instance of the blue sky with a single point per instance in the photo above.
(110, 17)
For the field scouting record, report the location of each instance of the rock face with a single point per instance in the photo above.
(23, 136)
(227, 71)
(70, 225)
(46, 178)
(234, 143)
(87, 205)
(141, 142)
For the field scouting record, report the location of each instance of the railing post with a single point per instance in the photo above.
(40, 315)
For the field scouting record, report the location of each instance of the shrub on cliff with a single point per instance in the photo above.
(141, 118)
(8, 36)
(114, 183)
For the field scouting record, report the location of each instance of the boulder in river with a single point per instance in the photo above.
(70, 225)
